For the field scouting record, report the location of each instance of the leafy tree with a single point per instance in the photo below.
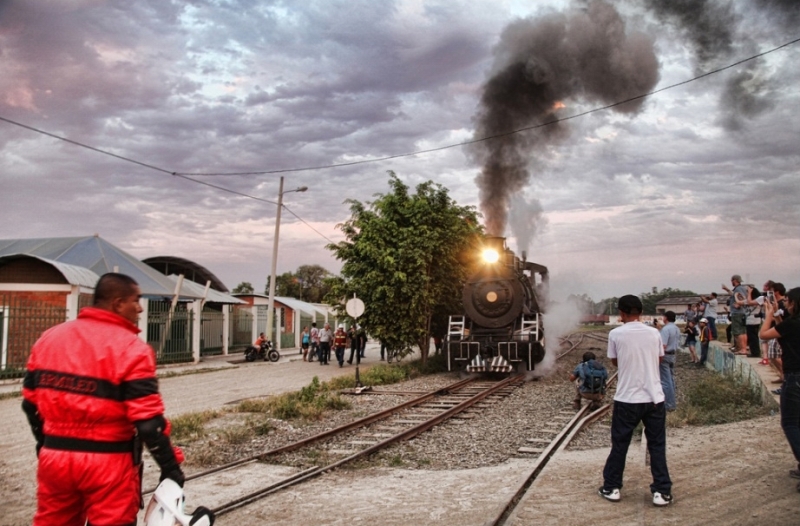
(306, 283)
(406, 257)
(245, 287)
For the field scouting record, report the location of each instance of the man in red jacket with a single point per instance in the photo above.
(91, 398)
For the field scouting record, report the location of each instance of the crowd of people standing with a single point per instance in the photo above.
(763, 323)
(316, 344)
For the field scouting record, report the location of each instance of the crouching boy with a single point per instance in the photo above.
(590, 381)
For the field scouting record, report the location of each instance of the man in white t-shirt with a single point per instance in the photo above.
(636, 350)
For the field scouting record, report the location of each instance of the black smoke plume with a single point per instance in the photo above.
(712, 26)
(540, 64)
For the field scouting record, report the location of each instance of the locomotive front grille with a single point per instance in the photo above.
(510, 350)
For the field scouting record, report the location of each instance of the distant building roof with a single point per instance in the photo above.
(302, 306)
(192, 271)
(97, 255)
(73, 274)
(312, 309)
(677, 300)
(213, 296)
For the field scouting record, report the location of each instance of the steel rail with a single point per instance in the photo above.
(403, 435)
(504, 511)
(362, 422)
(558, 444)
(574, 346)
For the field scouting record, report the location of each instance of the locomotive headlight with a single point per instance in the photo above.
(490, 255)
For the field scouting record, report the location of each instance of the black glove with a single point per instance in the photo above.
(151, 432)
(175, 473)
(201, 512)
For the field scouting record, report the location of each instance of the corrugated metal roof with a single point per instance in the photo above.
(73, 274)
(214, 296)
(97, 255)
(302, 306)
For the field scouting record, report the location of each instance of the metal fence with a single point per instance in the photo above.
(22, 321)
(169, 332)
(241, 328)
(212, 323)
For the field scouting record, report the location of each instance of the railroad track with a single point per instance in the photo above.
(251, 479)
(571, 423)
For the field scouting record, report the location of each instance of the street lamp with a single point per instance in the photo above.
(271, 305)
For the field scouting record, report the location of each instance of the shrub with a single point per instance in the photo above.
(191, 425)
(717, 399)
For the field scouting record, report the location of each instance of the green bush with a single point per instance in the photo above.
(191, 425)
(308, 403)
(254, 405)
(717, 399)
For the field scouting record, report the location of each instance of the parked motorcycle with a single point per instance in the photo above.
(262, 352)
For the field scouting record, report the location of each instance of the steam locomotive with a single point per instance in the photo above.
(501, 330)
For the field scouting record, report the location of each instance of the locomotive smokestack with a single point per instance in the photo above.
(541, 65)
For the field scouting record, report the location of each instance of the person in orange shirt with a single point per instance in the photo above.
(339, 343)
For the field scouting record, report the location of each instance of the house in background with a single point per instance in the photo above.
(46, 281)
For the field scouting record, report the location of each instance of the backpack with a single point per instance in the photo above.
(594, 378)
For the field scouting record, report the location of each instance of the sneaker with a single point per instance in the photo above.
(794, 473)
(776, 391)
(609, 494)
(662, 499)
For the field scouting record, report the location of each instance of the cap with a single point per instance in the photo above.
(703, 320)
(630, 304)
(736, 277)
(341, 326)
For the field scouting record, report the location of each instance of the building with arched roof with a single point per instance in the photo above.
(45, 281)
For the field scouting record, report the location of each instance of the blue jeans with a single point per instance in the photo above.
(790, 412)
(703, 353)
(340, 355)
(625, 419)
(712, 326)
(668, 381)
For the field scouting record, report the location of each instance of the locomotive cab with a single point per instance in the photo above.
(501, 329)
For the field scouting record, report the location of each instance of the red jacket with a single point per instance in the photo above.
(92, 378)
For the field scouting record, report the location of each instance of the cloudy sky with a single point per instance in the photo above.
(682, 188)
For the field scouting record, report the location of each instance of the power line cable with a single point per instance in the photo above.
(257, 199)
(504, 134)
(389, 157)
(309, 226)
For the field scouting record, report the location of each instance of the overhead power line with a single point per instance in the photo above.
(504, 134)
(189, 175)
